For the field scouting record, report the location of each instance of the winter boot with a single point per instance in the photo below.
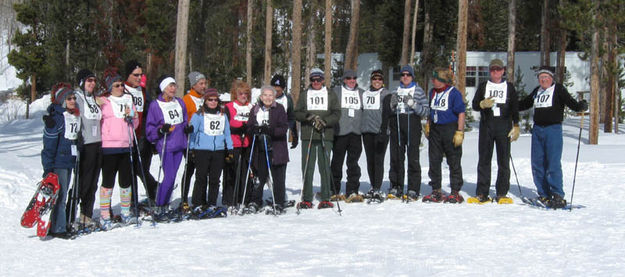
(251, 208)
(394, 193)
(325, 205)
(161, 214)
(479, 199)
(502, 199)
(354, 197)
(411, 196)
(436, 196)
(106, 224)
(454, 197)
(337, 197)
(304, 205)
(557, 202)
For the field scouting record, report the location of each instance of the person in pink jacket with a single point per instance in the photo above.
(117, 110)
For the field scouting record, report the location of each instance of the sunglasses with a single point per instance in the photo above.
(377, 79)
(350, 78)
(90, 80)
(212, 99)
(316, 80)
(71, 98)
(137, 74)
(117, 85)
(406, 75)
(496, 68)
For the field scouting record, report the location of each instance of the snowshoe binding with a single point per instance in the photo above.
(410, 196)
(354, 197)
(375, 196)
(454, 198)
(479, 199)
(325, 205)
(503, 200)
(436, 196)
(394, 194)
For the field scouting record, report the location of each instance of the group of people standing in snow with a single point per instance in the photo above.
(115, 133)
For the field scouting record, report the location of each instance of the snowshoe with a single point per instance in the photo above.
(128, 219)
(325, 205)
(375, 196)
(479, 199)
(410, 196)
(337, 197)
(436, 196)
(251, 208)
(204, 212)
(354, 197)
(504, 200)
(394, 194)
(106, 224)
(454, 198)
(277, 211)
(557, 202)
(304, 205)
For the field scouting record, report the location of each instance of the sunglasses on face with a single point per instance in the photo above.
(406, 75)
(212, 99)
(71, 98)
(90, 80)
(350, 78)
(316, 80)
(495, 68)
(137, 74)
(117, 85)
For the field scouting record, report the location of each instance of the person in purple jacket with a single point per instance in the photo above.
(268, 122)
(166, 127)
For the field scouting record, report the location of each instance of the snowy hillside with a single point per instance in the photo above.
(390, 239)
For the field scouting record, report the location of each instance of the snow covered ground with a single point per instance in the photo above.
(390, 239)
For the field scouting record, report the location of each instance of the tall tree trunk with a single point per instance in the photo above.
(296, 56)
(351, 53)
(426, 65)
(311, 49)
(268, 31)
(544, 34)
(404, 42)
(463, 10)
(414, 32)
(560, 65)
(327, 69)
(604, 75)
(615, 102)
(593, 134)
(611, 80)
(511, 40)
(248, 44)
(181, 44)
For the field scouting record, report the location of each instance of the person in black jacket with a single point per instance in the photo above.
(548, 100)
(498, 104)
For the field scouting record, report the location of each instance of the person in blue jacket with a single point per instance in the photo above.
(210, 142)
(62, 127)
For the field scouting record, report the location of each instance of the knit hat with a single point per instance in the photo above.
(195, 77)
(61, 93)
(496, 63)
(83, 75)
(407, 68)
(110, 79)
(210, 92)
(349, 74)
(545, 69)
(443, 74)
(131, 66)
(377, 73)
(316, 72)
(278, 81)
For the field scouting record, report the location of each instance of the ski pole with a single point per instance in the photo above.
(270, 180)
(579, 139)
(143, 180)
(329, 171)
(305, 167)
(237, 177)
(247, 173)
(133, 189)
(184, 173)
(71, 216)
(160, 167)
(516, 177)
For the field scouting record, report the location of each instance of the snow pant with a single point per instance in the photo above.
(494, 132)
(171, 162)
(186, 182)
(350, 144)
(375, 151)
(406, 145)
(278, 176)
(230, 171)
(90, 166)
(209, 163)
(323, 163)
(441, 144)
(146, 152)
(546, 156)
(58, 218)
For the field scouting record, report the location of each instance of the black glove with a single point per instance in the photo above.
(128, 119)
(230, 156)
(381, 138)
(164, 129)
(46, 172)
(294, 139)
(262, 130)
(49, 121)
(319, 124)
(311, 118)
(583, 105)
(188, 129)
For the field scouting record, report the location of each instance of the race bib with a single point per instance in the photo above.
(198, 102)
(243, 112)
(137, 97)
(72, 126)
(284, 101)
(119, 104)
(214, 124)
(91, 110)
(317, 100)
(498, 92)
(262, 117)
(544, 99)
(371, 100)
(401, 95)
(172, 112)
(440, 101)
(350, 99)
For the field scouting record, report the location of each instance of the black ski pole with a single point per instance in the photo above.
(516, 177)
(73, 197)
(133, 189)
(269, 176)
(247, 173)
(579, 140)
(184, 173)
(160, 167)
(305, 168)
(329, 170)
(143, 179)
(237, 177)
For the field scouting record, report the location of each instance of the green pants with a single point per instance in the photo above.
(324, 167)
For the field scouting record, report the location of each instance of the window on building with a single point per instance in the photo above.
(396, 73)
(483, 74)
(471, 74)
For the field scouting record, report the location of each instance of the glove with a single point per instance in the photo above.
(49, 121)
(426, 129)
(311, 118)
(381, 139)
(230, 157)
(294, 139)
(409, 101)
(583, 105)
(394, 102)
(46, 172)
(319, 124)
(487, 103)
(514, 133)
(262, 130)
(164, 129)
(188, 129)
(128, 119)
(458, 137)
